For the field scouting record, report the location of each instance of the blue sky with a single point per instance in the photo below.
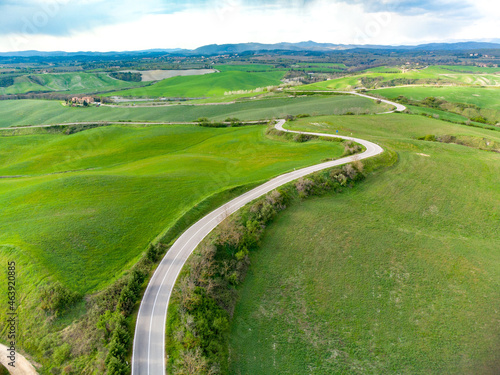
(104, 25)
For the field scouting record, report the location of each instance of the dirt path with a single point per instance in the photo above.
(23, 366)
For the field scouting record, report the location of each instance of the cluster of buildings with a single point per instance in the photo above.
(81, 101)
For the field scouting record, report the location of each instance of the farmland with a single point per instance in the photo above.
(389, 277)
(481, 96)
(391, 76)
(469, 101)
(74, 83)
(206, 85)
(121, 187)
(33, 112)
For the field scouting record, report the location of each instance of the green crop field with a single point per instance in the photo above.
(244, 67)
(399, 275)
(90, 220)
(32, 112)
(88, 204)
(481, 96)
(74, 83)
(206, 85)
(470, 69)
(485, 99)
(386, 76)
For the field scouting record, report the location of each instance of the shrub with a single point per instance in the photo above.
(428, 137)
(61, 353)
(301, 137)
(153, 252)
(351, 148)
(303, 186)
(234, 121)
(131, 292)
(480, 119)
(446, 138)
(56, 298)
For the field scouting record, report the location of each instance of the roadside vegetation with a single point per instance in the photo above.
(204, 298)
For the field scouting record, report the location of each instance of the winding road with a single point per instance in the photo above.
(148, 356)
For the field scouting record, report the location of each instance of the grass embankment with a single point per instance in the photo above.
(33, 112)
(68, 83)
(207, 85)
(90, 203)
(399, 275)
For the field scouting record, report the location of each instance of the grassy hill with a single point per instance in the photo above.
(469, 101)
(89, 203)
(399, 275)
(207, 85)
(32, 112)
(481, 96)
(74, 83)
(390, 76)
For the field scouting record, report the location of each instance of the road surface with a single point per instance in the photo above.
(22, 365)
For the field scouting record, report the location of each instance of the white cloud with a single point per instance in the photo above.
(234, 21)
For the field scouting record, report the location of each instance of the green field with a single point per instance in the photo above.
(89, 203)
(379, 77)
(206, 85)
(74, 83)
(486, 99)
(398, 275)
(126, 185)
(32, 112)
(470, 69)
(481, 96)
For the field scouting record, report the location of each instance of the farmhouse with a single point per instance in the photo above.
(85, 99)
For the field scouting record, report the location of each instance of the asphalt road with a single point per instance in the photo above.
(148, 357)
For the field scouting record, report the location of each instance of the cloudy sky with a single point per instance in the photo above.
(117, 25)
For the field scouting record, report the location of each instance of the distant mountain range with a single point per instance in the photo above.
(221, 49)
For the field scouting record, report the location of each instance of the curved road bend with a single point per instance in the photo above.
(148, 356)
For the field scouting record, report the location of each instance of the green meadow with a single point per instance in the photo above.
(400, 274)
(391, 76)
(33, 112)
(208, 85)
(90, 202)
(481, 96)
(485, 101)
(74, 83)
